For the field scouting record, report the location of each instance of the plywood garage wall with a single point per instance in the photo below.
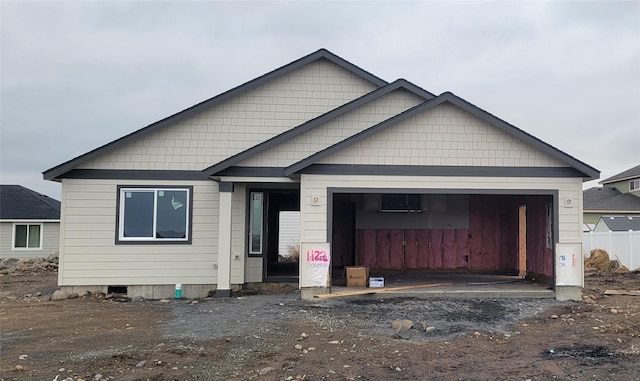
(490, 243)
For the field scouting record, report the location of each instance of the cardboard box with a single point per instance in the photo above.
(376, 282)
(356, 276)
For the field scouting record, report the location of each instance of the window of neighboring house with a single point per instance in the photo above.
(154, 215)
(634, 184)
(27, 236)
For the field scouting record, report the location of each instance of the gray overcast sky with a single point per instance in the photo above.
(77, 75)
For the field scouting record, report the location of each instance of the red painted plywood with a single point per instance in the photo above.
(435, 254)
(370, 249)
(449, 249)
(396, 249)
(383, 244)
(410, 249)
(462, 248)
(359, 248)
(539, 256)
(423, 248)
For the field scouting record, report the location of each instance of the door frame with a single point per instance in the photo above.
(269, 244)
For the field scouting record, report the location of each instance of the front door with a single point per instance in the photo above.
(275, 232)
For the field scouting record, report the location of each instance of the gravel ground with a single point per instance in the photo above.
(252, 315)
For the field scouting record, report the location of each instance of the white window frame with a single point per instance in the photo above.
(252, 222)
(13, 236)
(634, 185)
(122, 196)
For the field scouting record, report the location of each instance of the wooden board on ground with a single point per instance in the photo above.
(378, 290)
(622, 292)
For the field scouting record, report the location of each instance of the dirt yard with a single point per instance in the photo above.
(279, 337)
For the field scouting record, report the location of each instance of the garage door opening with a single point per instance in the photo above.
(414, 232)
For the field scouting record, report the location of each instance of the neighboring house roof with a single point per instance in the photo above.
(609, 199)
(20, 203)
(621, 223)
(53, 173)
(630, 173)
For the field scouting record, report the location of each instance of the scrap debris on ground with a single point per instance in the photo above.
(280, 337)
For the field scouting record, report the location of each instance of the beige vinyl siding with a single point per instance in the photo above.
(88, 233)
(50, 240)
(335, 130)
(238, 240)
(240, 123)
(254, 270)
(314, 221)
(5, 239)
(444, 135)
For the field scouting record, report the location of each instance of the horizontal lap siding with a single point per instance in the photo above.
(50, 241)
(240, 123)
(238, 237)
(91, 257)
(6, 229)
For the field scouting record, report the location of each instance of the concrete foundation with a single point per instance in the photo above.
(565, 293)
(168, 291)
(162, 291)
(92, 289)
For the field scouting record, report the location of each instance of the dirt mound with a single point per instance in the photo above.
(599, 261)
(31, 265)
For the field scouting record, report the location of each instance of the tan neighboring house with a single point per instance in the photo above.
(378, 174)
(29, 223)
(618, 196)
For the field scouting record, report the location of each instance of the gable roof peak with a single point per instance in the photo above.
(317, 121)
(587, 171)
(55, 172)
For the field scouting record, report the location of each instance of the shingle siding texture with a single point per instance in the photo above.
(242, 122)
(444, 135)
(335, 130)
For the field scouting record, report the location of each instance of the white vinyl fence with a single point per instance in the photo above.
(622, 246)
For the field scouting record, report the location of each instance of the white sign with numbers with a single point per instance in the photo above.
(315, 263)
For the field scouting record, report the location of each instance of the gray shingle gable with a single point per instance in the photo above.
(322, 54)
(448, 97)
(20, 203)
